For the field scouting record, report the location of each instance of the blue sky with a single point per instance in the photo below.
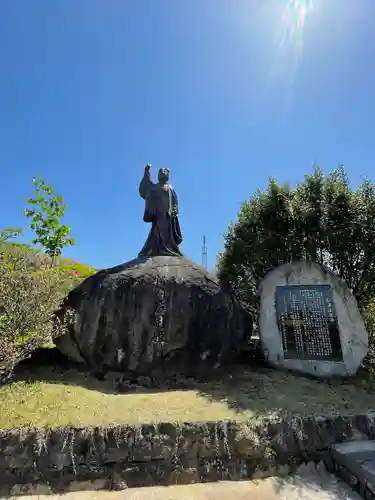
(225, 93)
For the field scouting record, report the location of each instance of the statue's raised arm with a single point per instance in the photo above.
(161, 209)
(146, 184)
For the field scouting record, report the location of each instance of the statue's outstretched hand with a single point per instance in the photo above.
(147, 168)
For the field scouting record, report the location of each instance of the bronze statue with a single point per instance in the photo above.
(161, 209)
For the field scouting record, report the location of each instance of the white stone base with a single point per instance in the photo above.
(353, 334)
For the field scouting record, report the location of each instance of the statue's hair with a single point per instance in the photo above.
(167, 169)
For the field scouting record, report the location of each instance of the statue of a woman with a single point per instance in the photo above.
(161, 209)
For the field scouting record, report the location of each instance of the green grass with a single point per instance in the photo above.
(57, 397)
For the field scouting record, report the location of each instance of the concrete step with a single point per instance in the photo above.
(354, 461)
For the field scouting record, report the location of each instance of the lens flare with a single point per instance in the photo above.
(294, 17)
(290, 30)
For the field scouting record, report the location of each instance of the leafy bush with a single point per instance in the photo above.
(368, 314)
(22, 255)
(28, 301)
(72, 274)
(80, 271)
(35, 259)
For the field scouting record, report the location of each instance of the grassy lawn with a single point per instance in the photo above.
(54, 396)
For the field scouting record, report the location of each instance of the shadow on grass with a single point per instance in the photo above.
(50, 366)
(258, 390)
(238, 389)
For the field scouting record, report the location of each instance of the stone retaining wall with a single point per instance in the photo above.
(66, 459)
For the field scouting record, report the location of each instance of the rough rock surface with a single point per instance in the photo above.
(68, 459)
(156, 313)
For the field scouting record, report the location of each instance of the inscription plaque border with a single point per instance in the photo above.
(296, 344)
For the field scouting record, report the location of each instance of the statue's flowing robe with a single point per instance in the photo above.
(161, 209)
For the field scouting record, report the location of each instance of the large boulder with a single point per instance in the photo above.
(154, 313)
(310, 322)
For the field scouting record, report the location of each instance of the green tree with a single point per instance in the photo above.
(9, 234)
(321, 219)
(46, 213)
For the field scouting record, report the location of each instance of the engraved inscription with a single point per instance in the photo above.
(308, 323)
(160, 309)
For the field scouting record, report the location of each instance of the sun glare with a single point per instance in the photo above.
(290, 31)
(293, 20)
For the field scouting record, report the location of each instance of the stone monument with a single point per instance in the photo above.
(159, 311)
(309, 321)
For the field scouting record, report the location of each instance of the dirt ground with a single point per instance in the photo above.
(310, 483)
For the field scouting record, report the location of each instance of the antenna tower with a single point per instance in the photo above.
(204, 253)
